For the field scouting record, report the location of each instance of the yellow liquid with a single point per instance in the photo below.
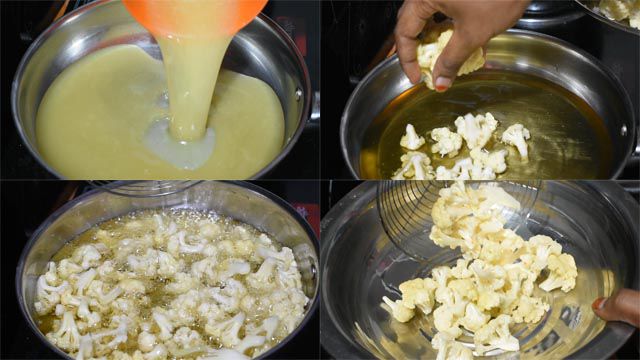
(568, 139)
(92, 121)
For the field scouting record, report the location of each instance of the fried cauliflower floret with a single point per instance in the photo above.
(411, 140)
(433, 43)
(476, 130)
(447, 142)
(399, 311)
(517, 135)
(562, 273)
(415, 166)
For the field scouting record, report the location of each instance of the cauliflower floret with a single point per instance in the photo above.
(465, 169)
(167, 265)
(476, 130)
(415, 166)
(517, 135)
(562, 273)
(164, 324)
(66, 268)
(67, 336)
(52, 274)
(433, 43)
(448, 348)
(420, 293)
(448, 142)
(474, 318)
(411, 140)
(186, 337)
(399, 311)
(146, 341)
(539, 248)
(181, 283)
(226, 331)
(495, 335)
(132, 286)
(48, 296)
(616, 9)
(232, 267)
(491, 160)
(267, 328)
(87, 256)
(446, 321)
(263, 278)
(85, 349)
(529, 309)
(249, 341)
(183, 308)
(118, 335)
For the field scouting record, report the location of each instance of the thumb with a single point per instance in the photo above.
(622, 306)
(458, 50)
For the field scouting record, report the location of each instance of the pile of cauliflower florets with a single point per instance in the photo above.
(476, 131)
(172, 284)
(619, 10)
(492, 285)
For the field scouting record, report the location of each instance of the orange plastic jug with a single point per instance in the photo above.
(194, 18)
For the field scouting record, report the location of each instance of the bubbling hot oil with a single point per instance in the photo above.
(568, 139)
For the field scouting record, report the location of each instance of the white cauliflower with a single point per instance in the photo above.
(562, 273)
(399, 311)
(415, 166)
(87, 256)
(67, 336)
(616, 9)
(48, 296)
(447, 142)
(495, 335)
(491, 160)
(517, 135)
(411, 140)
(448, 348)
(227, 332)
(433, 43)
(476, 130)
(419, 293)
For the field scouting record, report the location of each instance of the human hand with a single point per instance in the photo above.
(475, 23)
(622, 306)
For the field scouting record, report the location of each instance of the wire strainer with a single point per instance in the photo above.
(139, 188)
(404, 207)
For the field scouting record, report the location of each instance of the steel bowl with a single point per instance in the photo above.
(590, 8)
(517, 51)
(596, 222)
(241, 201)
(261, 50)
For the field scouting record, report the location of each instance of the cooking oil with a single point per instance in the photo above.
(568, 138)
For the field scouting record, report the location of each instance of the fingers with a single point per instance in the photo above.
(412, 17)
(622, 306)
(457, 51)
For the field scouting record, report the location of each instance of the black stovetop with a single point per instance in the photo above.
(26, 204)
(353, 34)
(23, 21)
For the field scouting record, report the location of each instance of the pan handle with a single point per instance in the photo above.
(314, 118)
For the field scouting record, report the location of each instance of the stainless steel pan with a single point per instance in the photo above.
(518, 51)
(262, 50)
(241, 201)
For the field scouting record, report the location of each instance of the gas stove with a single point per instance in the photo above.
(23, 21)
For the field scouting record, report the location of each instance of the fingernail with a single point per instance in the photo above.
(442, 83)
(599, 303)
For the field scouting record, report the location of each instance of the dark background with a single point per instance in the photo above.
(26, 204)
(23, 21)
(357, 35)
